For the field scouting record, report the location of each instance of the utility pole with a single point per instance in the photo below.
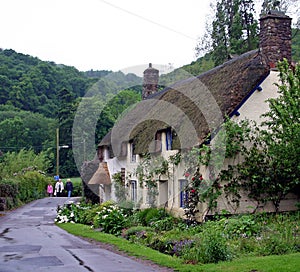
(57, 152)
(58, 147)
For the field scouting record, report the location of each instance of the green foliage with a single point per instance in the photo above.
(23, 129)
(213, 247)
(147, 217)
(120, 190)
(149, 171)
(200, 66)
(136, 232)
(243, 226)
(110, 219)
(32, 85)
(22, 177)
(24, 188)
(19, 163)
(223, 239)
(270, 167)
(32, 185)
(234, 30)
(296, 45)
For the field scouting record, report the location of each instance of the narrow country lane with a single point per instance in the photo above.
(30, 241)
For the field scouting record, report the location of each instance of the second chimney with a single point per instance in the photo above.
(150, 84)
(276, 37)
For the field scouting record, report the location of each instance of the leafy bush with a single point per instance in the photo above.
(136, 231)
(211, 247)
(243, 226)
(150, 215)
(32, 185)
(110, 219)
(24, 188)
(26, 160)
(164, 224)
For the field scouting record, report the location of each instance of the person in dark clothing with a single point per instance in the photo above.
(69, 187)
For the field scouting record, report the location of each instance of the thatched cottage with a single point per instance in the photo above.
(183, 115)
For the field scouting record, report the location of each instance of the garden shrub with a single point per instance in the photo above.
(89, 213)
(77, 189)
(162, 244)
(213, 247)
(110, 219)
(24, 188)
(149, 215)
(8, 188)
(138, 231)
(32, 185)
(243, 226)
(166, 223)
(170, 242)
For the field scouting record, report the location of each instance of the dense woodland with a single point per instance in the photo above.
(36, 97)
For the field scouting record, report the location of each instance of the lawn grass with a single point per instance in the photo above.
(284, 263)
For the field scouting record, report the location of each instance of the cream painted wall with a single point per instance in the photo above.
(256, 104)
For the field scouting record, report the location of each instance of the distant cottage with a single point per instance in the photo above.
(182, 115)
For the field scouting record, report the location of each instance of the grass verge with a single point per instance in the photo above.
(286, 263)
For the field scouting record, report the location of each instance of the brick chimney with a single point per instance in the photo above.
(276, 37)
(150, 84)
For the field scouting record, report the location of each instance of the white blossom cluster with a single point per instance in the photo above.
(62, 218)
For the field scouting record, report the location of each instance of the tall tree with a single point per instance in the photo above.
(65, 116)
(234, 30)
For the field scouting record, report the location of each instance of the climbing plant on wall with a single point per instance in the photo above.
(149, 172)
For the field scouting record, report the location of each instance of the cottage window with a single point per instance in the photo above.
(132, 155)
(157, 142)
(183, 193)
(133, 189)
(168, 139)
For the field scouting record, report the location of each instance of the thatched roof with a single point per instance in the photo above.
(101, 176)
(193, 107)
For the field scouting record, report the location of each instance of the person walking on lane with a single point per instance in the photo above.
(59, 187)
(69, 187)
(50, 189)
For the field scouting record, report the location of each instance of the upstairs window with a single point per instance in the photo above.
(157, 147)
(132, 154)
(169, 139)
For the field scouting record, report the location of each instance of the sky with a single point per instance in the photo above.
(104, 34)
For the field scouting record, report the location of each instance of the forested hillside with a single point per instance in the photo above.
(30, 84)
(37, 97)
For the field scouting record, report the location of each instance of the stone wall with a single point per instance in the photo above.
(276, 37)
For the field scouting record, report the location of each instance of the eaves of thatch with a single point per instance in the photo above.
(193, 107)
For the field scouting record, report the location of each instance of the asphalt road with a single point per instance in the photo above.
(30, 241)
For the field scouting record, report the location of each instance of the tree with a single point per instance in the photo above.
(65, 116)
(290, 7)
(24, 130)
(234, 30)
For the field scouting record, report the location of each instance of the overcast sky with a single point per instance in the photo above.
(104, 35)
